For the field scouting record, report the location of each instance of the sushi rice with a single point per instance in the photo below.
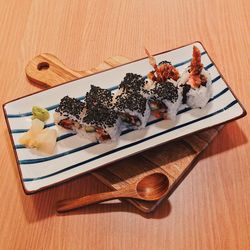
(196, 97)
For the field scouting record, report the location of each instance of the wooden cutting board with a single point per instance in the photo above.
(175, 159)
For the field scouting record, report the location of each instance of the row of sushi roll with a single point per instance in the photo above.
(161, 93)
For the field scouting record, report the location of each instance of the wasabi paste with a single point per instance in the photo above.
(40, 113)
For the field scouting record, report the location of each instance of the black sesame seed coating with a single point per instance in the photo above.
(133, 102)
(70, 107)
(132, 83)
(100, 111)
(98, 96)
(100, 116)
(186, 88)
(165, 91)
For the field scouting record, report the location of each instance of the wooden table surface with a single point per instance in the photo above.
(211, 208)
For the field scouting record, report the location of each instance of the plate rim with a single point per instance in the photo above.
(30, 192)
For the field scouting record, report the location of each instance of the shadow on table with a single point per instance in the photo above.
(229, 138)
(43, 205)
(162, 211)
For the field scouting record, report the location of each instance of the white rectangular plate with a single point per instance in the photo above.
(75, 155)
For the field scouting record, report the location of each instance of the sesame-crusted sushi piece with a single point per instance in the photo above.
(163, 72)
(69, 114)
(165, 100)
(133, 109)
(195, 83)
(101, 122)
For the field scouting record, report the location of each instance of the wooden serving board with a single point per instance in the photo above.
(175, 159)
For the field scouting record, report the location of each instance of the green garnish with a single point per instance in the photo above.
(40, 113)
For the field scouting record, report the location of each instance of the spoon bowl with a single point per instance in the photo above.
(152, 187)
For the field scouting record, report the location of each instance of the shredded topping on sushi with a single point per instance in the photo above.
(133, 102)
(132, 83)
(165, 91)
(70, 107)
(165, 70)
(97, 96)
(196, 65)
(195, 77)
(130, 119)
(100, 116)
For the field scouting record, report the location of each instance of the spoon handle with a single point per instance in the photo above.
(70, 204)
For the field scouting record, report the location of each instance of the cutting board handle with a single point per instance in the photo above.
(46, 70)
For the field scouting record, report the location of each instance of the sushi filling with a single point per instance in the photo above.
(101, 133)
(158, 109)
(130, 119)
(67, 124)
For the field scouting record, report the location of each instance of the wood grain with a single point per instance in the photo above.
(210, 210)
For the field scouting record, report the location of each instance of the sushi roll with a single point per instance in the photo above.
(133, 109)
(165, 99)
(196, 83)
(101, 122)
(69, 114)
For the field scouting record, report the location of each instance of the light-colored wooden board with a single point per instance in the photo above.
(174, 159)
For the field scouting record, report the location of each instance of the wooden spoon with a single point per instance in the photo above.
(150, 188)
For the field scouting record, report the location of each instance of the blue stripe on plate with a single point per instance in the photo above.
(132, 144)
(216, 79)
(34, 161)
(208, 66)
(82, 97)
